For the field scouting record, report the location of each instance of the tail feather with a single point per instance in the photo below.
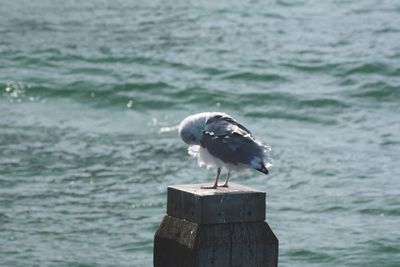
(263, 169)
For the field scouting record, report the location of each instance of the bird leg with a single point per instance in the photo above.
(226, 180)
(215, 183)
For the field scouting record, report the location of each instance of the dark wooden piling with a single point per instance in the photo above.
(221, 227)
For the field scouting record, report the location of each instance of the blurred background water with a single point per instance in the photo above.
(90, 92)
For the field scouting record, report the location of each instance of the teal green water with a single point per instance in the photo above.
(89, 91)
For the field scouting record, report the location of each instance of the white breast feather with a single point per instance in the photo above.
(205, 159)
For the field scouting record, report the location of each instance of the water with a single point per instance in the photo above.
(91, 89)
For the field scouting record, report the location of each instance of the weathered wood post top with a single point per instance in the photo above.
(223, 227)
(233, 204)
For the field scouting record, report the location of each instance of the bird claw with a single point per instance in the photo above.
(208, 186)
(213, 186)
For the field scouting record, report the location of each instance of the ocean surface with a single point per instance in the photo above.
(91, 93)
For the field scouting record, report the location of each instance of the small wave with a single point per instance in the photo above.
(131, 95)
(312, 67)
(197, 96)
(383, 246)
(310, 256)
(4, 218)
(142, 86)
(386, 30)
(324, 102)
(289, 3)
(380, 211)
(90, 71)
(371, 68)
(380, 91)
(210, 70)
(334, 209)
(249, 76)
(24, 24)
(284, 115)
(297, 185)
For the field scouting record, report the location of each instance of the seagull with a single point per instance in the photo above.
(218, 140)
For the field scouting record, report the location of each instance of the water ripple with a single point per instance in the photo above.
(90, 92)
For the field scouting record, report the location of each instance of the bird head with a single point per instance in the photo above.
(191, 129)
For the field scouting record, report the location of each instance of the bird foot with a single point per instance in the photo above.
(224, 185)
(209, 186)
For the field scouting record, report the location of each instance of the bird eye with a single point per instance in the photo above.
(193, 138)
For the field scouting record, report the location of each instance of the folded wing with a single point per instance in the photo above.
(231, 142)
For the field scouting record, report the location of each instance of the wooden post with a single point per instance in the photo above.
(221, 227)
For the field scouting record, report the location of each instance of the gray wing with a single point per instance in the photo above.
(222, 121)
(230, 141)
